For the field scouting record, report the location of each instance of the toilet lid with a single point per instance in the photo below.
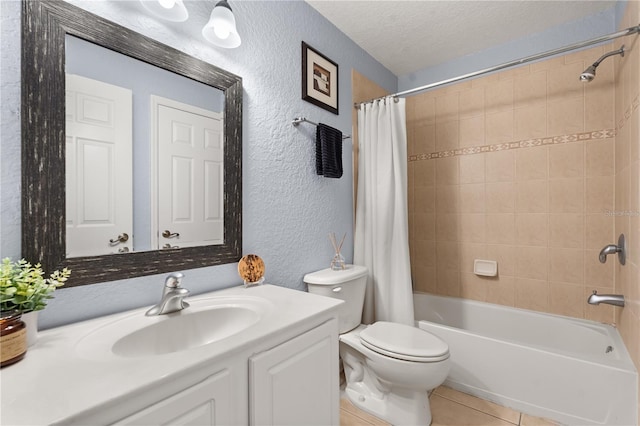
(404, 342)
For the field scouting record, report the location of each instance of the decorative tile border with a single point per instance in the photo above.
(528, 143)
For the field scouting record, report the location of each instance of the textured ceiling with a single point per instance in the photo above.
(407, 36)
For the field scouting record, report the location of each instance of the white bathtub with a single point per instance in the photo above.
(544, 365)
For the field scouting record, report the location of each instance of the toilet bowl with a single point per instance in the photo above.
(389, 368)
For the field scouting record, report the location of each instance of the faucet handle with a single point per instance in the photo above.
(174, 280)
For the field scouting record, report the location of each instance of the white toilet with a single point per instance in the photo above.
(389, 367)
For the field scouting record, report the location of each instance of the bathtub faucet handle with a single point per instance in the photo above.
(621, 249)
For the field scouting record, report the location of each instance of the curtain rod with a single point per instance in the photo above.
(626, 32)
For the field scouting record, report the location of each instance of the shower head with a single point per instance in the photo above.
(590, 73)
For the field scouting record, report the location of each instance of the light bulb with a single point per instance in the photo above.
(221, 31)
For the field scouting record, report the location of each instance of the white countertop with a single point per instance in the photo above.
(55, 381)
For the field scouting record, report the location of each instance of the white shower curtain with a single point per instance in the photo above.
(381, 241)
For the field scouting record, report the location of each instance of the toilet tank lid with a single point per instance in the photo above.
(330, 277)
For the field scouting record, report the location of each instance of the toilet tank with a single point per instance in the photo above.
(349, 285)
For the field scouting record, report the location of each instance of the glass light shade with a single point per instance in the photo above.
(221, 28)
(169, 10)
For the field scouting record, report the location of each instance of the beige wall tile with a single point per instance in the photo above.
(473, 287)
(532, 163)
(531, 262)
(599, 194)
(424, 139)
(447, 255)
(424, 173)
(599, 231)
(472, 198)
(500, 197)
(563, 83)
(499, 127)
(598, 105)
(566, 195)
(530, 122)
(470, 252)
(500, 228)
(532, 294)
(532, 196)
(425, 279)
(505, 256)
(531, 89)
(566, 160)
(531, 229)
(566, 265)
(565, 116)
(499, 96)
(424, 252)
(472, 168)
(425, 108)
(447, 170)
(471, 102)
(501, 166)
(447, 229)
(446, 135)
(600, 157)
(472, 131)
(448, 283)
(447, 199)
(424, 226)
(502, 291)
(447, 107)
(566, 299)
(424, 199)
(566, 230)
(472, 228)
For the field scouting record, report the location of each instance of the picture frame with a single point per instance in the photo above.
(319, 79)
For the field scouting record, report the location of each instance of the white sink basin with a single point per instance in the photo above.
(207, 320)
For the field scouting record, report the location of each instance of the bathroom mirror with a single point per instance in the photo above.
(45, 27)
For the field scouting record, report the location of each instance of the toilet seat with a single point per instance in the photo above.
(404, 342)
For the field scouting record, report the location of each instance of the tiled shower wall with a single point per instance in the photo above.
(627, 176)
(516, 167)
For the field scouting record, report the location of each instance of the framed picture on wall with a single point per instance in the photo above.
(319, 79)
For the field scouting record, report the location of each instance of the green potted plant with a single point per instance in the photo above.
(24, 288)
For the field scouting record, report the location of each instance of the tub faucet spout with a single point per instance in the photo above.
(610, 299)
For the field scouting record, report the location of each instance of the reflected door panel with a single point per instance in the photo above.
(190, 181)
(99, 205)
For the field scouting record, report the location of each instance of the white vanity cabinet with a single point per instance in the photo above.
(207, 403)
(296, 383)
(282, 369)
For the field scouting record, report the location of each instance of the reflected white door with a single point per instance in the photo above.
(189, 174)
(99, 206)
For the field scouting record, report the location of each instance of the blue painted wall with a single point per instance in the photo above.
(288, 210)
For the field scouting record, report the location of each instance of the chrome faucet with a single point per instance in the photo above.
(172, 296)
(610, 299)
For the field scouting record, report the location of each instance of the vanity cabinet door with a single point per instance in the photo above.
(297, 383)
(207, 403)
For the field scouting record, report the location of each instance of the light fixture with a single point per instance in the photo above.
(221, 28)
(169, 10)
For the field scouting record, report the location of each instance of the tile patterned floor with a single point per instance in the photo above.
(451, 408)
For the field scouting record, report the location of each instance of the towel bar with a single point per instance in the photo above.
(296, 121)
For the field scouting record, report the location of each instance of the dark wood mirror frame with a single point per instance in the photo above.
(44, 27)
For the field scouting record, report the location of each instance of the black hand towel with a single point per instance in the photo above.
(328, 151)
